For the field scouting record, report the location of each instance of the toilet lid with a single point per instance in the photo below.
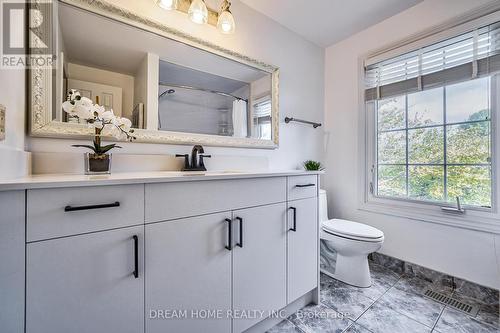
(353, 229)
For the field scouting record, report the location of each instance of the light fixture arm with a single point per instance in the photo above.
(224, 7)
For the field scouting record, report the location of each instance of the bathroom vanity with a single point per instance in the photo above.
(129, 252)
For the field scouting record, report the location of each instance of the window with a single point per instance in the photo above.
(435, 145)
(262, 118)
(431, 119)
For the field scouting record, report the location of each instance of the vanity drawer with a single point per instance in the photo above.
(70, 211)
(169, 201)
(302, 187)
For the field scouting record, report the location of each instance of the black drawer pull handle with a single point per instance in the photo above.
(304, 185)
(74, 209)
(240, 244)
(136, 256)
(229, 234)
(294, 228)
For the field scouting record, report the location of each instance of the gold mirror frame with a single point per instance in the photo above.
(40, 85)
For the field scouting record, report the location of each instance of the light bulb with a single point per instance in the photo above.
(167, 4)
(198, 12)
(225, 23)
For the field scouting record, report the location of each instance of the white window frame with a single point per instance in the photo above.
(475, 218)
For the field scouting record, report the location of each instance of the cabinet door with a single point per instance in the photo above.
(86, 283)
(302, 247)
(259, 263)
(188, 274)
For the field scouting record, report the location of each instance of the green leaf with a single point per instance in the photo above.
(97, 147)
(86, 146)
(313, 166)
(107, 148)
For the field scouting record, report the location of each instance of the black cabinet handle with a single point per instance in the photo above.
(305, 185)
(240, 244)
(74, 209)
(229, 234)
(294, 228)
(136, 256)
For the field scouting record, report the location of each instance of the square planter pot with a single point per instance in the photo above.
(97, 164)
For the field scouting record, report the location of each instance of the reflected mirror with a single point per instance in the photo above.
(190, 92)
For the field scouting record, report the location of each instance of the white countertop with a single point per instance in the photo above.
(71, 180)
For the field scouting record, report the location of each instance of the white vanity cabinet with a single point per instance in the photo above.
(87, 283)
(208, 255)
(302, 247)
(188, 272)
(259, 263)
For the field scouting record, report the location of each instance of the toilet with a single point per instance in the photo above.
(352, 241)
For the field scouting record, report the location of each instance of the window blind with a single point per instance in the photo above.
(262, 109)
(464, 57)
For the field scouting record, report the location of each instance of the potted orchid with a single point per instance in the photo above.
(104, 123)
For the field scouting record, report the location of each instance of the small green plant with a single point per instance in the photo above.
(313, 166)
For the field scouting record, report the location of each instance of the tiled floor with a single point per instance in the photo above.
(393, 304)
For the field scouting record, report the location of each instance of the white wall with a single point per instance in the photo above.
(13, 159)
(459, 252)
(301, 82)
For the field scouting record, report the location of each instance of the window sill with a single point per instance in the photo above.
(472, 220)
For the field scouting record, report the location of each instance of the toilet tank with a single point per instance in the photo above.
(323, 208)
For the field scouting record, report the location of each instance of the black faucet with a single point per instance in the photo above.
(196, 163)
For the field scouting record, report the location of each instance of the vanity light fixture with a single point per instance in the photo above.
(199, 13)
(167, 4)
(225, 22)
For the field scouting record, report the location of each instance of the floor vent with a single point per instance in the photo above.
(471, 310)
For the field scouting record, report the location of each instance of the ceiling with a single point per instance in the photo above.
(325, 22)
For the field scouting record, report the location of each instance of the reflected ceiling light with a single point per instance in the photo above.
(198, 12)
(225, 21)
(167, 4)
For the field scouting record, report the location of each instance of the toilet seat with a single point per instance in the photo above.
(352, 230)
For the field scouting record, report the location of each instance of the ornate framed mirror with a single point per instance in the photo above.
(174, 88)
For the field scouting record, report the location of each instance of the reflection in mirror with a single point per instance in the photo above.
(156, 82)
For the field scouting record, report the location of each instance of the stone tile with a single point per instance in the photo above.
(328, 256)
(394, 264)
(489, 314)
(474, 292)
(382, 279)
(419, 285)
(485, 298)
(343, 298)
(319, 319)
(382, 319)
(356, 328)
(453, 321)
(285, 327)
(417, 307)
(373, 292)
(427, 274)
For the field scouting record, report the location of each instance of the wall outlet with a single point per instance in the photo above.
(2, 122)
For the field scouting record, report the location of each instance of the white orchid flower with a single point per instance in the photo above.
(108, 116)
(99, 110)
(97, 117)
(68, 107)
(126, 124)
(83, 112)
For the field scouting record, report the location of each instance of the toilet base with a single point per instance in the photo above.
(353, 270)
